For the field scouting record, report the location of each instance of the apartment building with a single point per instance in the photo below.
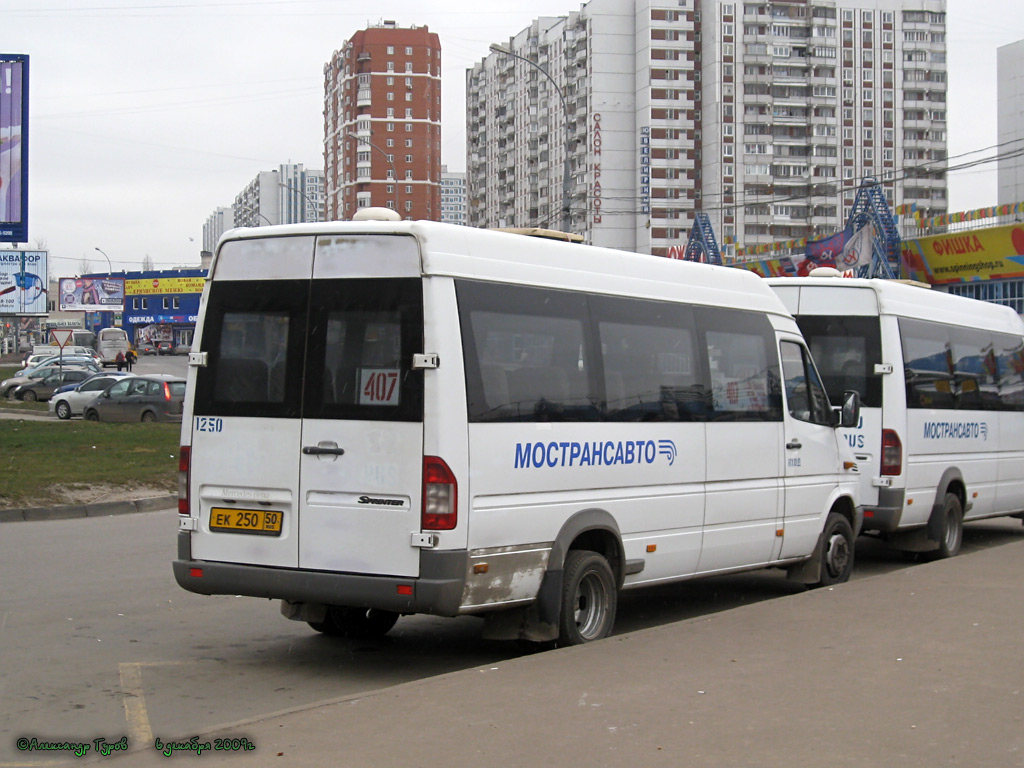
(453, 196)
(1010, 121)
(290, 194)
(766, 115)
(382, 123)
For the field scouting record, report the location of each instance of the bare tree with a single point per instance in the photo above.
(84, 266)
(147, 263)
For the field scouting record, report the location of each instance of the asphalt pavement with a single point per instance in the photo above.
(917, 667)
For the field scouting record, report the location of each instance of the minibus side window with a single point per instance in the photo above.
(805, 395)
(1009, 360)
(743, 365)
(651, 369)
(927, 364)
(527, 358)
(974, 371)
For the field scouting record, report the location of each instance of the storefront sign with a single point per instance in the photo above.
(993, 253)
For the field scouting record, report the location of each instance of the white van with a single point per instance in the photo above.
(941, 380)
(390, 418)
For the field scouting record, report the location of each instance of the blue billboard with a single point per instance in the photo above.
(13, 148)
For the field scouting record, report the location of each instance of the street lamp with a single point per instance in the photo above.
(110, 269)
(566, 165)
(394, 173)
(309, 199)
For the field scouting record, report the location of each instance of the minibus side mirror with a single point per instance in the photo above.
(849, 414)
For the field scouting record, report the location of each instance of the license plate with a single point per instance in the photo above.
(262, 522)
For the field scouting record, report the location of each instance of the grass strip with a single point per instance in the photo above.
(37, 458)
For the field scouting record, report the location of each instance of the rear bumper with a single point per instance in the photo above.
(885, 516)
(438, 590)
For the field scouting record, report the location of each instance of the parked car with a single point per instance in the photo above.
(43, 388)
(38, 358)
(155, 397)
(164, 348)
(182, 349)
(72, 401)
(145, 348)
(110, 375)
(23, 377)
(65, 360)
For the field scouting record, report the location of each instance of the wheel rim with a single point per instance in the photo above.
(63, 410)
(837, 556)
(952, 531)
(590, 606)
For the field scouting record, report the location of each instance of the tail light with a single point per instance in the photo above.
(892, 453)
(167, 392)
(184, 470)
(440, 496)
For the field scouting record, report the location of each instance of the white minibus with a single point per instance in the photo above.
(396, 417)
(941, 381)
(109, 342)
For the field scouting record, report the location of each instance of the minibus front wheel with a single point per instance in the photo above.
(589, 598)
(837, 544)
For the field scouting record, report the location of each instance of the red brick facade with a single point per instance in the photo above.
(384, 85)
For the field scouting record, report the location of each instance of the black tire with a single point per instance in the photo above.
(29, 396)
(359, 623)
(92, 416)
(837, 545)
(952, 527)
(148, 417)
(63, 410)
(589, 599)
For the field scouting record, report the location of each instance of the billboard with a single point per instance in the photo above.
(993, 253)
(23, 280)
(13, 148)
(161, 285)
(91, 294)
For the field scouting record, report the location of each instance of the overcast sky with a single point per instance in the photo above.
(146, 115)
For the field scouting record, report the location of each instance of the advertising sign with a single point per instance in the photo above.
(91, 294)
(23, 280)
(13, 148)
(993, 253)
(159, 285)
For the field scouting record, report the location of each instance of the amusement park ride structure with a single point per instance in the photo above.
(869, 208)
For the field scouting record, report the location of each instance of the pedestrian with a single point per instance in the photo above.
(120, 361)
(129, 359)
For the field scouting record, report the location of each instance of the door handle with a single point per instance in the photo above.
(317, 450)
(794, 444)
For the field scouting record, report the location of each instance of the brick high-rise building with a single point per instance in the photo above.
(382, 123)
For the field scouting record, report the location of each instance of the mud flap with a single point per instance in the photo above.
(537, 622)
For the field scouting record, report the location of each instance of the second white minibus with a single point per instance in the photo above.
(941, 381)
(389, 418)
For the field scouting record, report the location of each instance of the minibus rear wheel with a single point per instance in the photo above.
(952, 528)
(355, 622)
(589, 598)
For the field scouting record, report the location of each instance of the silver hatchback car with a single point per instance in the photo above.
(156, 397)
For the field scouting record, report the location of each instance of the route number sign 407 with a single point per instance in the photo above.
(378, 386)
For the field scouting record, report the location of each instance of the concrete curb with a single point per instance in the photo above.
(99, 509)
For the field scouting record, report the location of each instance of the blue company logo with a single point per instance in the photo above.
(606, 453)
(963, 430)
